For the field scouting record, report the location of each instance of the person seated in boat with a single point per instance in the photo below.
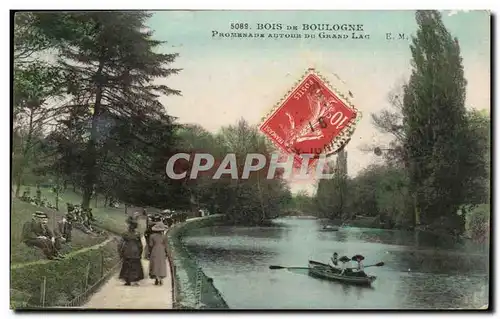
(359, 266)
(345, 269)
(335, 259)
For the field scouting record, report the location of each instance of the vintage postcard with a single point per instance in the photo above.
(251, 160)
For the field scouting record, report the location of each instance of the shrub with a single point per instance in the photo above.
(478, 223)
(64, 280)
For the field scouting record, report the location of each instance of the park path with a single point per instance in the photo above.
(114, 295)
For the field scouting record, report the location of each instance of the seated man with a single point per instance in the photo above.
(26, 196)
(335, 259)
(36, 233)
(90, 215)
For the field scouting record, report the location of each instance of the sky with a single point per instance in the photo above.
(225, 79)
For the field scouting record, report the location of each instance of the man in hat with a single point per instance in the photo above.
(36, 233)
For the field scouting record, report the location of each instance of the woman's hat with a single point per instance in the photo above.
(40, 215)
(158, 227)
(358, 257)
(344, 259)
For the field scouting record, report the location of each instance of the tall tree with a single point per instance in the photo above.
(112, 65)
(434, 121)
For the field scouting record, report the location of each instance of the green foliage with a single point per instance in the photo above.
(244, 201)
(300, 204)
(65, 279)
(379, 193)
(112, 135)
(478, 223)
(478, 159)
(123, 97)
(332, 194)
(434, 120)
(28, 40)
(444, 148)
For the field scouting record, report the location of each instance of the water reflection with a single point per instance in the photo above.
(416, 275)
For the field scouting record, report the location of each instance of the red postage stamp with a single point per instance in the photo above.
(311, 119)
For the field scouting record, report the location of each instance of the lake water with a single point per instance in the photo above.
(421, 271)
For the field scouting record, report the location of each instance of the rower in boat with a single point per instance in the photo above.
(359, 268)
(335, 259)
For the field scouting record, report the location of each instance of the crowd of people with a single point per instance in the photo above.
(82, 218)
(38, 200)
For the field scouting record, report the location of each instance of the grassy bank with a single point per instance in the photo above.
(187, 271)
(22, 212)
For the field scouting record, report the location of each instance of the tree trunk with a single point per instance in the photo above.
(24, 159)
(91, 155)
(57, 198)
(18, 184)
(417, 213)
(263, 218)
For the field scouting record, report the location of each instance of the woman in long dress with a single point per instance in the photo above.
(131, 251)
(158, 256)
(149, 224)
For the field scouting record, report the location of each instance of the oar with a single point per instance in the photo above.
(283, 267)
(374, 265)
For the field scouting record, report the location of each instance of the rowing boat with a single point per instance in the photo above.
(326, 271)
(329, 228)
